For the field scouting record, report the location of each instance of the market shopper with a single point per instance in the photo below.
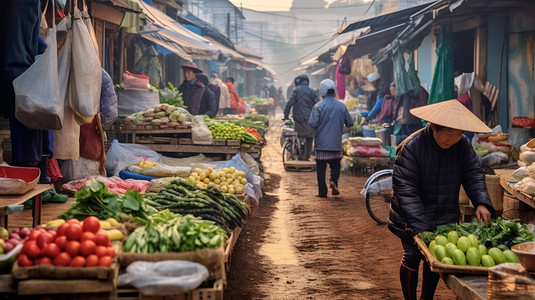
(234, 97)
(224, 99)
(209, 97)
(302, 101)
(328, 118)
(264, 93)
(429, 169)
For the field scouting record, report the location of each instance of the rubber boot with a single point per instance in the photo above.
(409, 282)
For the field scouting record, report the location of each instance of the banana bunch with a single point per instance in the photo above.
(146, 164)
(498, 137)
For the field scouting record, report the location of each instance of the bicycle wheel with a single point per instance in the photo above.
(378, 198)
(290, 151)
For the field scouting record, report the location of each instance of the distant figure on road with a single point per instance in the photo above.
(328, 117)
(302, 100)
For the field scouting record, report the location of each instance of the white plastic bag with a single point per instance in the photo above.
(86, 71)
(66, 140)
(200, 134)
(89, 25)
(520, 173)
(38, 104)
(121, 155)
(78, 169)
(164, 278)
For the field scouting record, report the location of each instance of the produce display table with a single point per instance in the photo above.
(6, 201)
(467, 287)
(507, 181)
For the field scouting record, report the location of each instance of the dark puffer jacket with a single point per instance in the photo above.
(302, 100)
(427, 180)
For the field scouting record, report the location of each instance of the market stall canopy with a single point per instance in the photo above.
(260, 64)
(121, 4)
(193, 44)
(228, 51)
(169, 44)
(384, 21)
(308, 63)
(374, 41)
(247, 52)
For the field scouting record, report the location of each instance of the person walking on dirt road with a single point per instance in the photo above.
(328, 118)
(302, 100)
(430, 166)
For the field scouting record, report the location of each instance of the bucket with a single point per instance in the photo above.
(368, 131)
(384, 135)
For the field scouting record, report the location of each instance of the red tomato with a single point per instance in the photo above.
(102, 251)
(102, 239)
(111, 251)
(43, 261)
(61, 229)
(26, 245)
(87, 247)
(61, 241)
(24, 261)
(33, 251)
(34, 234)
(74, 232)
(92, 260)
(88, 235)
(73, 221)
(78, 261)
(73, 248)
(53, 234)
(63, 259)
(41, 229)
(105, 261)
(91, 224)
(43, 239)
(52, 250)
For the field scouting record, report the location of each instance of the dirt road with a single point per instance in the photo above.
(302, 247)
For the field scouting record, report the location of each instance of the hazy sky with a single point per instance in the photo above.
(271, 5)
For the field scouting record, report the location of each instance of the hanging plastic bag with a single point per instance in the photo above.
(164, 278)
(79, 169)
(66, 140)
(86, 72)
(200, 134)
(38, 104)
(89, 25)
(121, 155)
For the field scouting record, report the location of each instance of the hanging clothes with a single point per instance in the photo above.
(340, 83)
(442, 87)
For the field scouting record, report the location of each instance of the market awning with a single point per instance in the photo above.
(232, 53)
(247, 52)
(260, 64)
(384, 21)
(193, 44)
(168, 44)
(375, 41)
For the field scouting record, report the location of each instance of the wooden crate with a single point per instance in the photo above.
(230, 246)
(300, 166)
(156, 140)
(207, 291)
(233, 143)
(185, 141)
(437, 266)
(52, 280)
(219, 142)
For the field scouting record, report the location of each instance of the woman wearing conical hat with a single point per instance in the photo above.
(430, 167)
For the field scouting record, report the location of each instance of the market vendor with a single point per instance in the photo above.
(429, 169)
(191, 88)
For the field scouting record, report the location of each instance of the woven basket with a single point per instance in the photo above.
(494, 189)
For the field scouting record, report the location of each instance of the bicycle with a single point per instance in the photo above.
(290, 142)
(379, 192)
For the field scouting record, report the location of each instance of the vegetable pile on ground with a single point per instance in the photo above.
(467, 243)
(256, 101)
(169, 232)
(180, 197)
(73, 244)
(228, 131)
(228, 180)
(162, 115)
(95, 200)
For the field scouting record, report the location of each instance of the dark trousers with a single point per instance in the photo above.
(408, 273)
(321, 167)
(309, 141)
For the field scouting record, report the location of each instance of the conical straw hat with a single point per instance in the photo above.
(451, 114)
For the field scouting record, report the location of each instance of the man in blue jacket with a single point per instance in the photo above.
(328, 118)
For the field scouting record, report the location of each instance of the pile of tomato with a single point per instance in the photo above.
(73, 244)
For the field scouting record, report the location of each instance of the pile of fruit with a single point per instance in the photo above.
(162, 115)
(146, 164)
(229, 131)
(228, 180)
(73, 244)
(466, 250)
(475, 243)
(8, 241)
